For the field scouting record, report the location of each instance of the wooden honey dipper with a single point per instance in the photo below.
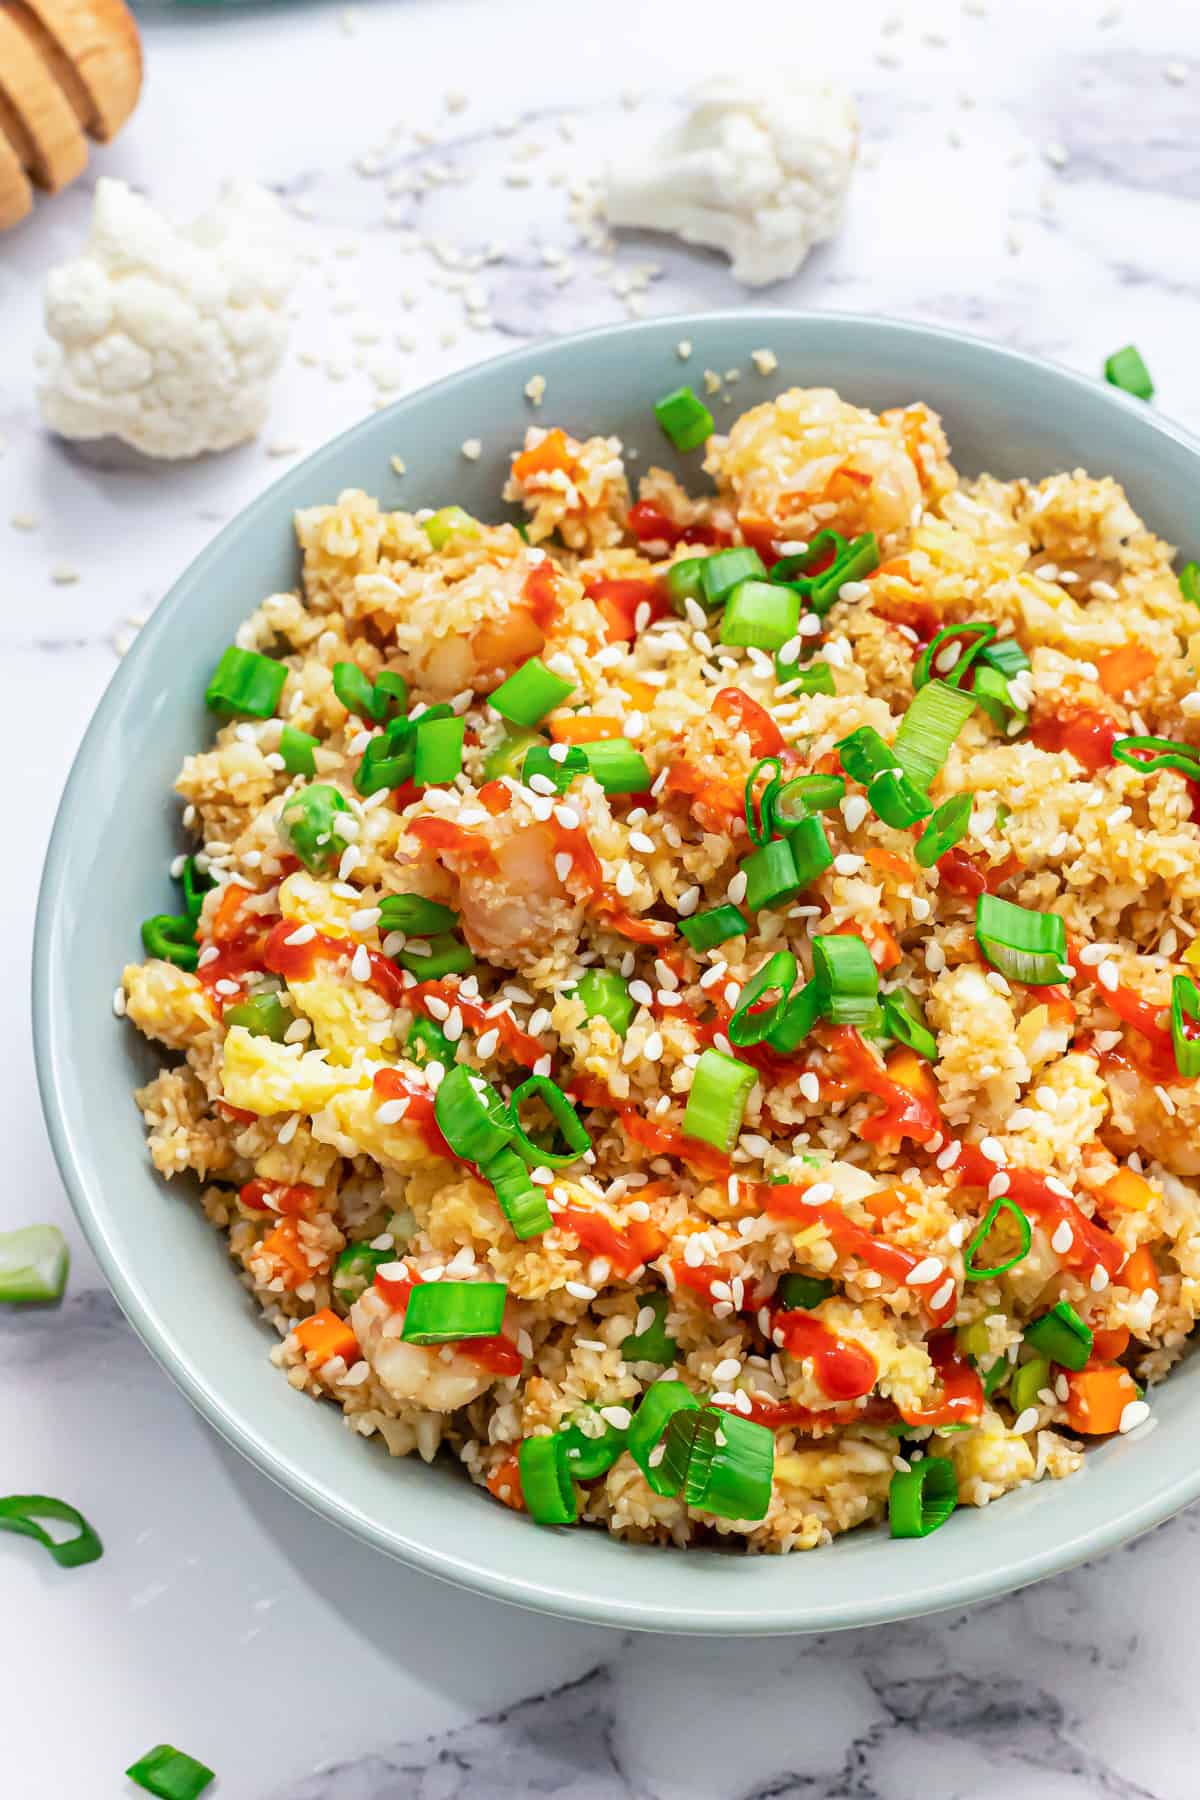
(68, 69)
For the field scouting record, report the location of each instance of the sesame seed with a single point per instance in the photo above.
(1025, 1421)
(1108, 975)
(1062, 1239)
(819, 1194)
(303, 934)
(736, 891)
(854, 809)
(928, 1269)
(472, 449)
(118, 1003)
(942, 1296)
(391, 1111)
(619, 1417)
(1134, 1414)
(1099, 1279)
(993, 1150)
(580, 1290)
(765, 361)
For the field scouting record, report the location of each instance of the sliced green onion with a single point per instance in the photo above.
(570, 1126)
(1028, 1380)
(750, 1022)
(994, 697)
(546, 1485)
(685, 419)
(1164, 753)
(1185, 1012)
(847, 978)
(797, 566)
(972, 637)
(1024, 945)
(904, 1021)
(444, 1312)
(447, 955)
(1189, 582)
(761, 614)
(170, 1773)
(800, 1293)
(391, 691)
(471, 1116)
(864, 755)
(860, 558)
(617, 766)
(996, 1376)
(296, 748)
(928, 729)
(448, 522)
(1125, 369)
(521, 1201)
(605, 995)
(759, 812)
(356, 693)
(588, 1456)
(653, 1344)
(415, 915)
(33, 1265)
(898, 801)
(717, 1101)
(974, 1340)
(21, 1512)
(1002, 1203)
(439, 751)
(245, 684)
(730, 1462)
(808, 678)
(354, 1271)
(173, 938)
(195, 885)
(685, 581)
(657, 1407)
(798, 1019)
(1007, 655)
(262, 1015)
(529, 694)
(427, 1042)
(795, 800)
(507, 755)
(950, 823)
(560, 770)
(388, 760)
(1061, 1335)
(812, 853)
(922, 1498)
(704, 931)
(306, 825)
(771, 876)
(725, 569)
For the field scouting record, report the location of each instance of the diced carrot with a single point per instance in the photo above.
(886, 1203)
(496, 797)
(224, 925)
(551, 453)
(324, 1336)
(888, 863)
(504, 1484)
(913, 1074)
(283, 1245)
(879, 939)
(1120, 670)
(1126, 1191)
(1109, 1342)
(584, 728)
(641, 693)
(1138, 1272)
(1097, 1399)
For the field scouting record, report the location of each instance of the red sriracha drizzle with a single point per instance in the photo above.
(966, 875)
(1089, 737)
(648, 525)
(523, 1048)
(960, 1400)
(668, 1140)
(626, 1248)
(296, 962)
(741, 713)
(842, 1371)
(606, 902)
(1091, 1246)
(619, 600)
(891, 1260)
(497, 1354)
(905, 1114)
(392, 1084)
(541, 594)
(294, 1202)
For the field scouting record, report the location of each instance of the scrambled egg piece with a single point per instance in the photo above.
(265, 1077)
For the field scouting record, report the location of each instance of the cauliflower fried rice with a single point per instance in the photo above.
(913, 1222)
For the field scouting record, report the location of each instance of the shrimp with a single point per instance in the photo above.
(439, 1378)
(483, 628)
(1140, 1121)
(512, 901)
(809, 460)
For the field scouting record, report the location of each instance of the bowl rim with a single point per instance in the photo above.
(51, 1039)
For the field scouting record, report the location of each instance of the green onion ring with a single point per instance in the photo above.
(1002, 1203)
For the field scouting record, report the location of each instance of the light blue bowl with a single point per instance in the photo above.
(107, 869)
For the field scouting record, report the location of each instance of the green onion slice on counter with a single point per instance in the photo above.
(684, 418)
(245, 684)
(443, 1312)
(170, 1774)
(34, 1261)
(605, 994)
(1061, 1335)
(950, 823)
(1024, 945)
(471, 1116)
(1185, 1026)
(705, 930)
(717, 1101)
(1002, 1203)
(529, 694)
(1125, 369)
(922, 1498)
(752, 1020)
(658, 1405)
(652, 1344)
(570, 1126)
(21, 1512)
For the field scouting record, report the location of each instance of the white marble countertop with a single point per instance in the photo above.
(223, 1617)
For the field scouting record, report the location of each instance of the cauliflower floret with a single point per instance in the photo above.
(759, 171)
(169, 336)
